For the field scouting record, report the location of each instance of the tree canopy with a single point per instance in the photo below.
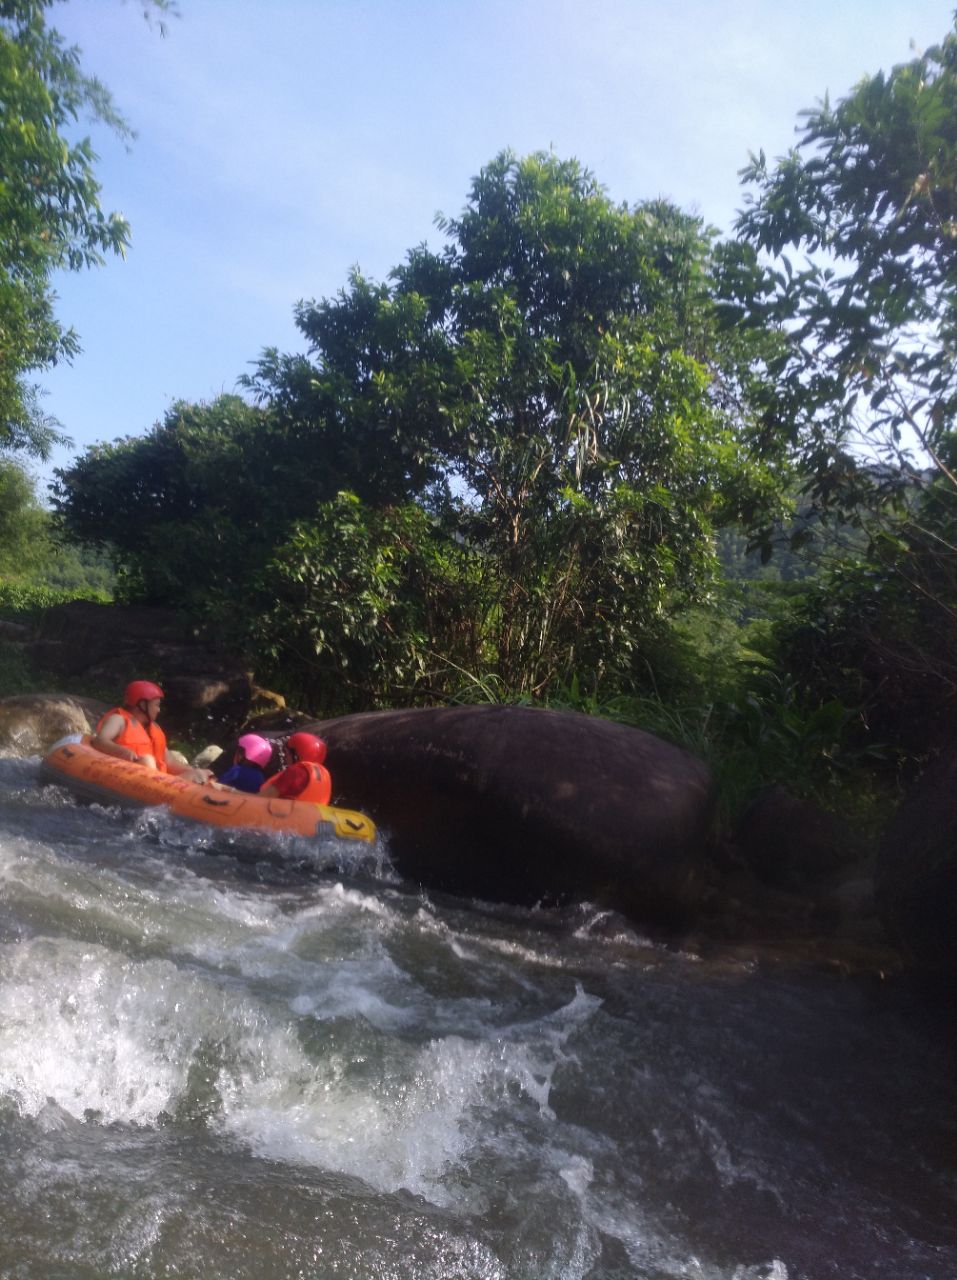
(862, 220)
(506, 467)
(561, 392)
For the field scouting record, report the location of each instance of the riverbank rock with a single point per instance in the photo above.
(525, 805)
(206, 758)
(916, 876)
(31, 722)
(792, 843)
(209, 693)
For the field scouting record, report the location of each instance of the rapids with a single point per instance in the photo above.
(236, 1056)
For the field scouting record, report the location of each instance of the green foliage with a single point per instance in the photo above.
(563, 389)
(539, 428)
(31, 554)
(23, 527)
(355, 604)
(50, 213)
(755, 728)
(50, 216)
(25, 602)
(870, 196)
(880, 631)
(192, 510)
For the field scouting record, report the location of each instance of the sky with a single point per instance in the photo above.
(280, 143)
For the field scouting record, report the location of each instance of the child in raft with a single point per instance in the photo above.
(306, 778)
(248, 770)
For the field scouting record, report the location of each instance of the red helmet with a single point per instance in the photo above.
(141, 691)
(308, 747)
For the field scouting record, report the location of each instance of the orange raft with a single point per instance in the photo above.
(91, 775)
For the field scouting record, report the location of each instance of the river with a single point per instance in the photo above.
(237, 1056)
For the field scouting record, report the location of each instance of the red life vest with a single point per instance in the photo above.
(145, 742)
(319, 788)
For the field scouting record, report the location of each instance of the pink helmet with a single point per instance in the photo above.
(308, 747)
(255, 749)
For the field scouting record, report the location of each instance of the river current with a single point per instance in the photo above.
(238, 1056)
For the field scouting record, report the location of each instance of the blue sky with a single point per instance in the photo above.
(281, 142)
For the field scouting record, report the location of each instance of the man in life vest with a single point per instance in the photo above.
(130, 732)
(306, 778)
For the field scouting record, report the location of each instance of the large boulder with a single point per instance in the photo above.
(31, 722)
(524, 805)
(916, 874)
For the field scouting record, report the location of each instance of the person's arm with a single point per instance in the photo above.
(104, 741)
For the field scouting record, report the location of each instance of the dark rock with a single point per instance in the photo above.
(916, 875)
(201, 707)
(526, 805)
(793, 843)
(14, 631)
(209, 693)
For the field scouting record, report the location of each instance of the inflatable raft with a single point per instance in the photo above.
(91, 775)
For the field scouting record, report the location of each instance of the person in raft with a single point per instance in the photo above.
(306, 778)
(248, 770)
(130, 732)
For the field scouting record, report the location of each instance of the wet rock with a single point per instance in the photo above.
(525, 805)
(916, 874)
(31, 722)
(207, 757)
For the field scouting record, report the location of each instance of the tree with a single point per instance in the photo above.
(23, 523)
(50, 213)
(869, 383)
(564, 389)
(31, 555)
(192, 510)
(869, 200)
(505, 465)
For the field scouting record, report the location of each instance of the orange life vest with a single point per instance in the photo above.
(319, 788)
(144, 741)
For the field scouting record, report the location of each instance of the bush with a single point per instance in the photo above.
(25, 602)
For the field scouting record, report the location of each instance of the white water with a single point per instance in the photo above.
(218, 1061)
